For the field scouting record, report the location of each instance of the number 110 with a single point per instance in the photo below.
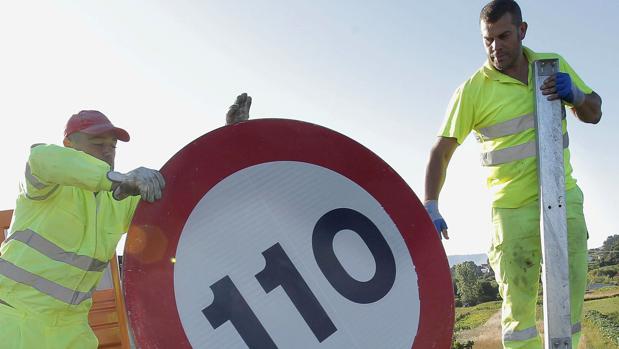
(230, 305)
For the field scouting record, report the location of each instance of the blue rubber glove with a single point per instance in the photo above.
(567, 91)
(439, 223)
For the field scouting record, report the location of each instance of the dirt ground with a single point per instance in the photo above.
(486, 336)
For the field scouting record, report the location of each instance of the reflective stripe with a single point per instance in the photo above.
(517, 152)
(53, 251)
(531, 332)
(45, 286)
(509, 127)
(44, 196)
(32, 179)
(521, 335)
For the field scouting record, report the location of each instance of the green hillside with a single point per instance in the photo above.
(600, 325)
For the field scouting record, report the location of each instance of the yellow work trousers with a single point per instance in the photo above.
(24, 330)
(515, 256)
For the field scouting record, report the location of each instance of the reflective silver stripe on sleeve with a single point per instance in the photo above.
(576, 328)
(517, 152)
(521, 335)
(53, 251)
(34, 181)
(509, 127)
(44, 196)
(45, 286)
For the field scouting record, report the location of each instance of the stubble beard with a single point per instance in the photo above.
(501, 66)
(510, 63)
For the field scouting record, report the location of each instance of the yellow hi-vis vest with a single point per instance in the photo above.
(498, 109)
(65, 229)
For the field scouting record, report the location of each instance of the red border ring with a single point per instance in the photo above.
(155, 231)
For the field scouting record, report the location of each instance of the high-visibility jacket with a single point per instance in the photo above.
(498, 109)
(65, 229)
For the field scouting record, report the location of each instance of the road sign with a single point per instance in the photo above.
(282, 234)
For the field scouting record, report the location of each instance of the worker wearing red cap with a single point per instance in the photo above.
(71, 211)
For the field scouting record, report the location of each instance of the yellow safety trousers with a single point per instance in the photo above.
(515, 256)
(20, 329)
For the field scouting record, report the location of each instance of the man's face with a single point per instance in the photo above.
(503, 41)
(102, 146)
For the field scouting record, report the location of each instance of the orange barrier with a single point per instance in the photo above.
(5, 220)
(107, 317)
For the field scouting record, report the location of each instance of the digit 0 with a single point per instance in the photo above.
(363, 292)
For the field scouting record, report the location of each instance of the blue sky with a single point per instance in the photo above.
(380, 72)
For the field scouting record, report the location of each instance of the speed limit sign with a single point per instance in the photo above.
(282, 234)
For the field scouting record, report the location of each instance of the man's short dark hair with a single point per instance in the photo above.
(494, 10)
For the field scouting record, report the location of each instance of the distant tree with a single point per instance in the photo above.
(604, 275)
(594, 259)
(490, 270)
(611, 242)
(466, 277)
(489, 291)
(458, 345)
(609, 254)
(457, 302)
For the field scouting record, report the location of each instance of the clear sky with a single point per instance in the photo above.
(380, 72)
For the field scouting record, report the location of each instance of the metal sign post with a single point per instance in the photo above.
(551, 174)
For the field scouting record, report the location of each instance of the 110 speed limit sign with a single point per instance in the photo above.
(283, 234)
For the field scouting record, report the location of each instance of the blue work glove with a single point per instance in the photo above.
(567, 91)
(439, 223)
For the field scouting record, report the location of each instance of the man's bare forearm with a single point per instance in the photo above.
(436, 171)
(591, 109)
(435, 177)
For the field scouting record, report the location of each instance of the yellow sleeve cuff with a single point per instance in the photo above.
(105, 183)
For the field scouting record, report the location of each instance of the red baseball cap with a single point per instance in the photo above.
(93, 122)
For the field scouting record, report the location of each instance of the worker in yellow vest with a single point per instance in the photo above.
(497, 105)
(71, 211)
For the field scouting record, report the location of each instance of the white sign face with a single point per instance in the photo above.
(289, 254)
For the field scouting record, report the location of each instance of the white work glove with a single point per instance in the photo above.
(239, 111)
(439, 223)
(141, 181)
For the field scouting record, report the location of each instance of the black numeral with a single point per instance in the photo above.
(322, 244)
(279, 271)
(229, 305)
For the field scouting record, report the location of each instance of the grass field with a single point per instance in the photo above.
(472, 317)
(605, 305)
(593, 336)
(481, 323)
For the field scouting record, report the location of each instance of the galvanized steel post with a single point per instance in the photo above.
(551, 174)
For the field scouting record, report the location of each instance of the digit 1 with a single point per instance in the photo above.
(279, 271)
(229, 305)
(322, 244)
